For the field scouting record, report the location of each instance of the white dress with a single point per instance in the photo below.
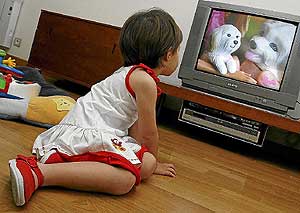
(99, 121)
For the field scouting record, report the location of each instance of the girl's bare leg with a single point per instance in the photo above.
(88, 176)
(148, 165)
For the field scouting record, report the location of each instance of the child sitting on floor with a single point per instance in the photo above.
(108, 142)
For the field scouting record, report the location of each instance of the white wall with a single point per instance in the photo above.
(115, 12)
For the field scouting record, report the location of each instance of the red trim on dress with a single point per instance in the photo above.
(141, 152)
(130, 90)
(149, 71)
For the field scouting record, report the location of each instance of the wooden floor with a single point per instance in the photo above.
(209, 179)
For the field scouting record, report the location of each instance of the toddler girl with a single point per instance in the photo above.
(108, 142)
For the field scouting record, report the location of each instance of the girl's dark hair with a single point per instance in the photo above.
(147, 36)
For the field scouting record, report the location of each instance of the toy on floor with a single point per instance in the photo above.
(9, 87)
(5, 80)
(8, 66)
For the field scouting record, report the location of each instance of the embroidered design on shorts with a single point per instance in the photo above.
(118, 145)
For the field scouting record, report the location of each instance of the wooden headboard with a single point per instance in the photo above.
(78, 50)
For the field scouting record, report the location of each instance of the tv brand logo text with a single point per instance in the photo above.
(232, 85)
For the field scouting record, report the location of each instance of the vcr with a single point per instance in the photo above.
(230, 125)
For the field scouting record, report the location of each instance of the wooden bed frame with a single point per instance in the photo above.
(75, 49)
(86, 52)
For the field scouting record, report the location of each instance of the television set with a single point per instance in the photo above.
(244, 54)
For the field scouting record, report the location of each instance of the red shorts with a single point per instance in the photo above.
(103, 157)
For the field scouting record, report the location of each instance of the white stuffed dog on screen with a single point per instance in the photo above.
(270, 50)
(224, 40)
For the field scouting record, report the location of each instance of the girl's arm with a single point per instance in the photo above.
(145, 91)
(145, 130)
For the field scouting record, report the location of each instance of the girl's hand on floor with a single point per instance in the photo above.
(166, 169)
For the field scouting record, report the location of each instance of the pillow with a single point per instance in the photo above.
(40, 111)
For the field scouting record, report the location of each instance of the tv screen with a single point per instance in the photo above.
(249, 48)
(244, 54)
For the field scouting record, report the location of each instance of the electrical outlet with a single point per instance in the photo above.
(17, 42)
